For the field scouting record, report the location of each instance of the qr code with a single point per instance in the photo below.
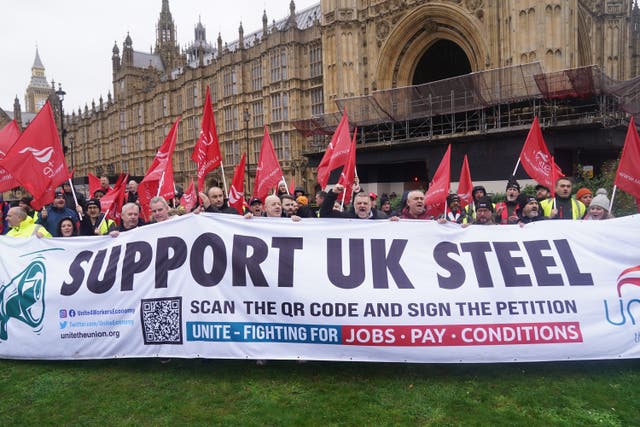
(162, 320)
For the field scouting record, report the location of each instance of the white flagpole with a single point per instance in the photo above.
(613, 196)
(160, 184)
(75, 199)
(516, 168)
(224, 181)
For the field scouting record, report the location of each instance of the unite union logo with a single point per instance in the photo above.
(43, 156)
(630, 276)
(543, 162)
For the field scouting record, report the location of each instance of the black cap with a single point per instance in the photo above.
(540, 186)
(93, 202)
(530, 199)
(59, 194)
(254, 201)
(512, 183)
(485, 202)
(452, 198)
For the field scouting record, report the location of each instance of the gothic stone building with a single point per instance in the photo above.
(414, 76)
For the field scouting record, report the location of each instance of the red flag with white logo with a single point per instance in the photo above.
(628, 174)
(206, 153)
(536, 158)
(189, 198)
(36, 160)
(348, 174)
(236, 191)
(158, 181)
(465, 185)
(8, 136)
(268, 172)
(436, 197)
(337, 152)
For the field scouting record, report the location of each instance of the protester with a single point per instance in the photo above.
(484, 211)
(66, 228)
(415, 208)
(104, 184)
(273, 206)
(255, 206)
(584, 195)
(454, 212)
(131, 195)
(25, 203)
(159, 209)
(599, 208)
(51, 216)
(282, 189)
(506, 211)
(563, 206)
(289, 206)
(215, 202)
(542, 193)
(362, 207)
(477, 193)
(299, 191)
(129, 219)
(385, 206)
(320, 196)
(69, 199)
(304, 210)
(22, 225)
(98, 194)
(94, 222)
(530, 212)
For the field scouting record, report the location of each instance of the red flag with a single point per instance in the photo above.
(114, 199)
(628, 173)
(337, 152)
(536, 159)
(158, 181)
(8, 136)
(554, 176)
(268, 172)
(348, 174)
(436, 198)
(36, 159)
(292, 186)
(189, 198)
(465, 185)
(206, 153)
(94, 184)
(236, 191)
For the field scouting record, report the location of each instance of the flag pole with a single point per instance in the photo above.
(516, 168)
(285, 184)
(224, 181)
(104, 218)
(75, 199)
(160, 184)
(613, 196)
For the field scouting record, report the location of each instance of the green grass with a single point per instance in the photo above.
(213, 392)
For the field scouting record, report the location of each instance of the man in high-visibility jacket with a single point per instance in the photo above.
(22, 225)
(563, 206)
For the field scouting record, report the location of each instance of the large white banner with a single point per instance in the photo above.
(221, 286)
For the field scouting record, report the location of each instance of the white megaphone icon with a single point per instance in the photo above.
(23, 298)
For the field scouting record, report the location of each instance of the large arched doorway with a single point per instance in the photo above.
(443, 59)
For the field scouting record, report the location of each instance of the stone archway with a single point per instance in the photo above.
(443, 59)
(424, 27)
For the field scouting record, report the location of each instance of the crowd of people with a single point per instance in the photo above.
(73, 215)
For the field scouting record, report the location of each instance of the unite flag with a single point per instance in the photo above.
(348, 174)
(8, 136)
(236, 192)
(436, 197)
(206, 152)
(536, 158)
(465, 185)
(36, 159)
(268, 172)
(112, 202)
(628, 173)
(189, 198)
(158, 181)
(337, 152)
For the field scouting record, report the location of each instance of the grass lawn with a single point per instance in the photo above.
(223, 392)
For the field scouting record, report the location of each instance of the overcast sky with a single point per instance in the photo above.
(75, 37)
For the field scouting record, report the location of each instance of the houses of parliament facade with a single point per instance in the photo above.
(296, 75)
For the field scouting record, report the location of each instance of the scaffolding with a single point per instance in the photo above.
(482, 102)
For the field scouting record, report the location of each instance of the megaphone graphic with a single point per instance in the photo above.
(23, 298)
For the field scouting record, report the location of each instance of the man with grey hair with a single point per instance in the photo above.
(362, 206)
(415, 208)
(129, 219)
(22, 225)
(159, 209)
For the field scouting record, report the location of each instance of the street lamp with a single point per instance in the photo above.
(246, 117)
(60, 94)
